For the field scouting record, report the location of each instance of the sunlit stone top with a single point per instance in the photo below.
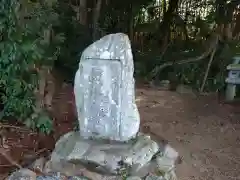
(104, 90)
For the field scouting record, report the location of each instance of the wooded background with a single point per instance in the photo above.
(185, 41)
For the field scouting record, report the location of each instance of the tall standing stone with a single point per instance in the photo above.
(104, 90)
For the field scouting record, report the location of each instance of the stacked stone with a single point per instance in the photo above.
(108, 145)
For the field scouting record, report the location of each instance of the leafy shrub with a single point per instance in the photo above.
(23, 45)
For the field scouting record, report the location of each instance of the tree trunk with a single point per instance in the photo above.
(164, 8)
(131, 23)
(166, 23)
(83, 12)
(236, 30)
(96, 15)
(208, 69)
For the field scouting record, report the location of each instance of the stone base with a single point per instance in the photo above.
(102, 156)
(137, 157)
(140, 158)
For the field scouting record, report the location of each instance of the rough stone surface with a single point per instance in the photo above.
(170, 175)
(133, 178)
(61, 171)
(150, 167)
(154, 177)
(110, 157)
(162, 167)
(104, 90)
(22, 174)
(39, 164)
(166, 161)
(67, 168)
(142, 152)
(75, 170)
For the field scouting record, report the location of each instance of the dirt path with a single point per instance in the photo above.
(206, 135)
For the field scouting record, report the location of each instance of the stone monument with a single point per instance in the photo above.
(108, 145)
(104, 90)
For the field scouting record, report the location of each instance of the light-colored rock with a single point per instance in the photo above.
(171, 153)
(104, 90)
(107, 157)
(26, 174)
(56, 176)
(171, 175)
(150, 167)
(155, 177)
(69, 146)
(67, 168)
(141, 152)
(166, 163)
(48, 167)
(39, 164)
(133, 178)
(76, 170)
(96, 176)
(22, 174)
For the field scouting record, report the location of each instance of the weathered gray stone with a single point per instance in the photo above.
(111, 158)
(171, 175)
(150, 167)
(166, 161)
(22, 174)
(141, 152)
(170, 152)
(165, 164)
(154, 177)
(76, 170)
(133, 178)
(69, 146)
(104, 90)
(67, 168)
(39, 164)
(55, 176)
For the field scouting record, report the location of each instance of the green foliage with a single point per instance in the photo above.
(193, 25)
(41, 121)
(77, 38)
(23, 26)
(23, 45)
(191, 73)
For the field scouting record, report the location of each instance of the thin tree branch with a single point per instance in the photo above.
(207, 70)
(158, 69)
(7, 157)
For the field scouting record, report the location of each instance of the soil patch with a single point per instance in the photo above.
(204, 132)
